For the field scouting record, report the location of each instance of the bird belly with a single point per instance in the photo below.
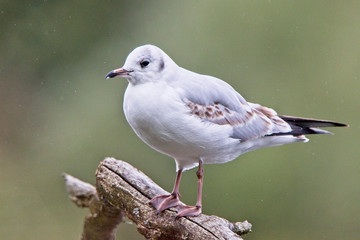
(165, 124)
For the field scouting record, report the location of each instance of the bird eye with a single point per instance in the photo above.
(144, 63)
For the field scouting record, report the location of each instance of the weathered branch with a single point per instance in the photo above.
(103, 219)
(122, 190)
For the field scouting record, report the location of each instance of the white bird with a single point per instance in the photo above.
(198, 119)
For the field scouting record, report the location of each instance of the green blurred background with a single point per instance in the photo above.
(58, 114)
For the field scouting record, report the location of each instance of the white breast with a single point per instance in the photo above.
(162, 120)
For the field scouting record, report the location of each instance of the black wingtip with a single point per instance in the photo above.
(297, 131)
(337, 124)
(310, 122)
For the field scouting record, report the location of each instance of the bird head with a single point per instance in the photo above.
(146, 63)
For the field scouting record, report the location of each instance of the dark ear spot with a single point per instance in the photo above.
(162, 65)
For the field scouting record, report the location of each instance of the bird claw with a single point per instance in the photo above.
(161, 203)
(188, 211)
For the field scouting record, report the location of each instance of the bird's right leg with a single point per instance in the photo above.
(167, 201)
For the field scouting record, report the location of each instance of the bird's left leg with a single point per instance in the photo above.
(192, 211)
(167, 201)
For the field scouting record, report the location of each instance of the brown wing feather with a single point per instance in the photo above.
(219, 114)
(252, 124)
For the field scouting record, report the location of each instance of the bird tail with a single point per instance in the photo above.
(303, 126)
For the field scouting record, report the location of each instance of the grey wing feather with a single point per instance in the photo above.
(216, 101)
(213, 100)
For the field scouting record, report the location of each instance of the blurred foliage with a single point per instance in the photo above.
(58, 114)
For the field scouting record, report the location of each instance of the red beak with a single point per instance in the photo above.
(117, 72)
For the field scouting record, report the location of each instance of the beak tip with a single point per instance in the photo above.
(111, 75)
(117, 72)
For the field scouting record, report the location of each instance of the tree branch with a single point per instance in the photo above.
(103, 219)
(122, 190)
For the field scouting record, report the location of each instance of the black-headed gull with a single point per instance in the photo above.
(198, 119)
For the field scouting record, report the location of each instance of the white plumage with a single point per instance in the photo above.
(197, 119)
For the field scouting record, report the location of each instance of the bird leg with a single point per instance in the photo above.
(193, 211)
(164, 202)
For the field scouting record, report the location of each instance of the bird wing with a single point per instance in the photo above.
(213, 100)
